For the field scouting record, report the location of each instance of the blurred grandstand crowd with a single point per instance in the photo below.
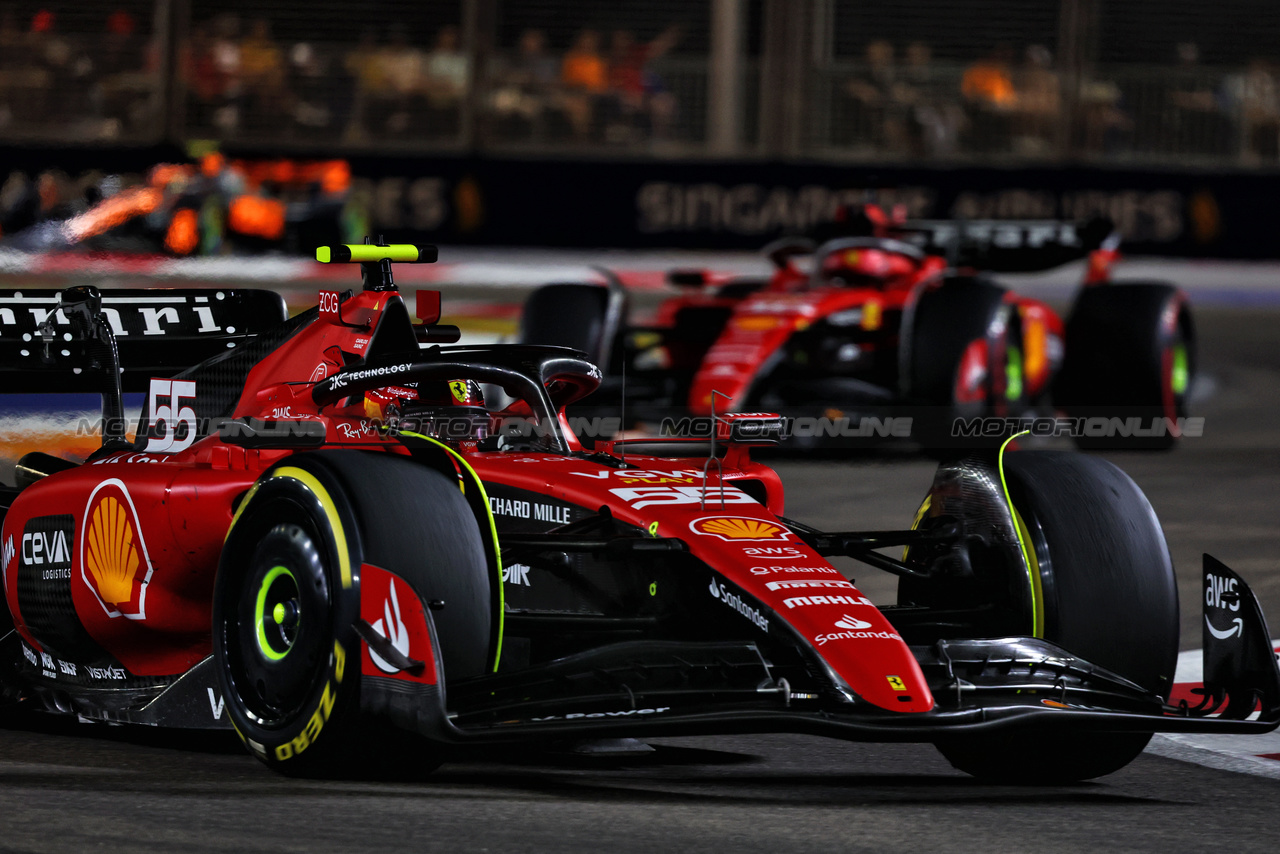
(387, 87)
(884, 82)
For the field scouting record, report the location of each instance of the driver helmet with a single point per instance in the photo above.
(450, 411)
(866, 266)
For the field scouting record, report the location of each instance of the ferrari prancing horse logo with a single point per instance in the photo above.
(113, 556)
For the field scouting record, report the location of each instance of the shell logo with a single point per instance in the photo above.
(733, 529)
(113, 556)
(871, 315)
(756, 323)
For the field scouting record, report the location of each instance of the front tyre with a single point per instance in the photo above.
(1107, 594)
(284, 607)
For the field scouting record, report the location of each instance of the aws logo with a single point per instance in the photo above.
(113, 556)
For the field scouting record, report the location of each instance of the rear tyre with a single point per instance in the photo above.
(962, 359)
(570, 315)
(1130, 353)
(1107, 594)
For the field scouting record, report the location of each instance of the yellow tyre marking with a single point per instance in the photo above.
(493, 532)
(313, 485)
(1032, 566)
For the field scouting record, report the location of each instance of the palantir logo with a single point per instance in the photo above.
(391, 627)
(852, 623)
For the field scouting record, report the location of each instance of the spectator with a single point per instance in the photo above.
(445, 83)
(120, 49)
(364, 72)
(401, 69)
(935, 119)
(1037, 103)
(316, 93)
(123, 87)
(987, 82)
(56, 70)
(263, 74)
(15, 69)
(1106, 124)
(585, 78)
(447, 69)
(204, 79)
(1257, 101)
(878, 116)
(641, 103)
(226, 58)
(1193, 118)
(525, 87)
(990, 98)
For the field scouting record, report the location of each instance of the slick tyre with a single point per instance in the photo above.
(1130, 354)
(961, 359)
(284, 606)
(1107, 594)
(287, 598)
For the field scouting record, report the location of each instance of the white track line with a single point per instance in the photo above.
(1245, 754)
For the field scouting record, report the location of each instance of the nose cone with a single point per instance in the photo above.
(871, 656)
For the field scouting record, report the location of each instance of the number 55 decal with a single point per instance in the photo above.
(169, 416)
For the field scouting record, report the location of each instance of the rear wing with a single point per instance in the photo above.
(160, 331)
(1008, 246)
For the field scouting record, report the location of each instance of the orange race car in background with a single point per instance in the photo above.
(184, 209)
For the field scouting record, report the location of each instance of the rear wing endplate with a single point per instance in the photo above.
(1008, 246)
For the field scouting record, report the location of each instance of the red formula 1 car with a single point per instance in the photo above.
(901, 320)
(337, 530)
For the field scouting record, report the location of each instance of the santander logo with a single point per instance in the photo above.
(391, 627)
(852, 623)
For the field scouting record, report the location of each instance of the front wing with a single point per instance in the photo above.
(649, 687)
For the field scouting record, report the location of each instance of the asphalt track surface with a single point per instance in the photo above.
(70, 787)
